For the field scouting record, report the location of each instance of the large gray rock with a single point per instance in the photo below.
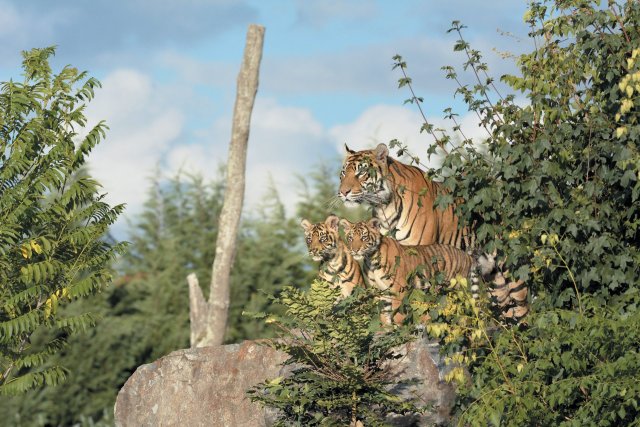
(421, 362)
(206, 387)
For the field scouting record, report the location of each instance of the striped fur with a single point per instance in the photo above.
(337, 266)
(402, 199)
(387, 263)
(510, 297)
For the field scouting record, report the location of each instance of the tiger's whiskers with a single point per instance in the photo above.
(334, 202)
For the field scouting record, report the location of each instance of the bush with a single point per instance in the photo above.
(339, 356)
(555, 191)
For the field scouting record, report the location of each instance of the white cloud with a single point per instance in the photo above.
(193, 71)
(148, 130)
(361, 69)
(23, 27)
(382, 123)
(194, 159)
(124, 93)
(142, 126)
(106, 26)
(284, 141)
(377, 124)
(272, 118)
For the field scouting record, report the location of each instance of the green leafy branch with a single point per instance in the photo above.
(339, 356)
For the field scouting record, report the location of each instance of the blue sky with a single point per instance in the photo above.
(169, 67)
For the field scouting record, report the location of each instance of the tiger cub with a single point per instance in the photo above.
(402, 199)
(387, 263)
(337, 266)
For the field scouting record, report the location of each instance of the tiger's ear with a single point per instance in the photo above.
(381, 152)
(349, 150)
(374, 223)
(346, 225)
(305, 224)
(332, 222)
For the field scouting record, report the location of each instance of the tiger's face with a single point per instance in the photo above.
(321, 238)
(363, 238)
(362, 179)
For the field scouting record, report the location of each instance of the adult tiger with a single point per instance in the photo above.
(402, 199)
(337, 265)
(387, 264)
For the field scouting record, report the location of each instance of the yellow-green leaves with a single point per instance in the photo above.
(457, 375)
(557, 195)
(36, 247)
(51, 304)
(629, 85)
(30, 247)
(52, 217)
(459, 322)
(551, 238)
(620, 131)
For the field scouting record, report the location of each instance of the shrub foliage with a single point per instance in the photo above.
(555, 191)
(339, 360)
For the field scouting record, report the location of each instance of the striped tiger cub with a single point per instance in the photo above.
(387, 263)
(337, 265)
(402, 199)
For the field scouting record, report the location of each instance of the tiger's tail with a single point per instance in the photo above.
(510, 297)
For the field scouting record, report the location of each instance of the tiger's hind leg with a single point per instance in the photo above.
(390, 314)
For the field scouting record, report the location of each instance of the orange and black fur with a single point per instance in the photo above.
(387, 264)
(402, 199)
(510, 297)
(337, 265)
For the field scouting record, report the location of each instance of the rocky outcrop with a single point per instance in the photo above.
(206, 387)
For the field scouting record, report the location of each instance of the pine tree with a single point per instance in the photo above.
(52, 219)
(145, 315)
(269, 257)
(174, 235)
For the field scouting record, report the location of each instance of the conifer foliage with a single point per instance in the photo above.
(339, 358)
(52, 218)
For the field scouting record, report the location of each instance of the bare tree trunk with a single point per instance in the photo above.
(209, 320)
